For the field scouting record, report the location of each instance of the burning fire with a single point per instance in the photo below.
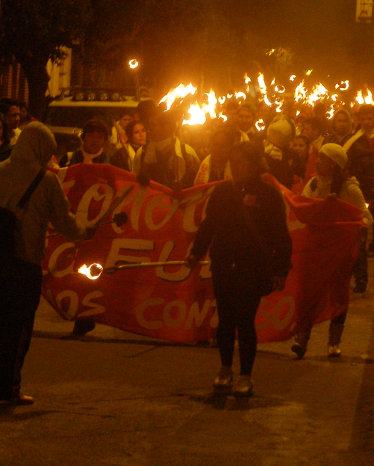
(92, 272)
(178, 93)
(210, 106)
(133, 63)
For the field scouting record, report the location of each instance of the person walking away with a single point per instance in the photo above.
(21, 278)
(250, 249)
(332, 180)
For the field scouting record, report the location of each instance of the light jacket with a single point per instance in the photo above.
(48, 202)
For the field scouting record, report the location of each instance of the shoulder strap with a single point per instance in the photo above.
(31, 188)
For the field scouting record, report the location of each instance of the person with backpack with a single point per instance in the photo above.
(31, 197)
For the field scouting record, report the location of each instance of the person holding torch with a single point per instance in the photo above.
(250, 250)
(20, 271)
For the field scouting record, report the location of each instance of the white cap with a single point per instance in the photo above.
(336, 153)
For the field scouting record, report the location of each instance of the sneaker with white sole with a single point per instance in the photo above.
(224, 378)
(333, 351)
(244, 386)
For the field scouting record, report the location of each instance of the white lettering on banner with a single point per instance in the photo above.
(168, 204)
(197, 316)
(174, 314)
(183, 271)
(132, 244)
(189, 221)
(67, 302)
(273, 317)
(127, 200)
(136, 208)
(52, 263)
(94, 308)
(93, 193)
(142, 307)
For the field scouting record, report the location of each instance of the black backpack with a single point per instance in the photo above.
(8, 222)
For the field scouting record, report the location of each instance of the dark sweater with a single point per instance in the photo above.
(245, 238)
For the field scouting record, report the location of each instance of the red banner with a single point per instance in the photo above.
(170, 302)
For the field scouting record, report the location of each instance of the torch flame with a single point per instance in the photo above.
(92, 272)
(178, 93)
(260, 125)
(133, 63)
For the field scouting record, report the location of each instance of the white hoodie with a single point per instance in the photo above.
(48, 203)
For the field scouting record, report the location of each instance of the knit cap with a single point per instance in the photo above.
(280, 132)
(336, 153)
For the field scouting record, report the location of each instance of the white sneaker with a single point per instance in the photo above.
(244, 386)
(333, 351)
(224, 378)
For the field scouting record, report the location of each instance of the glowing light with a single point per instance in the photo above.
(280, 89)
(197, 116)
(309, 72)
(260, 125)
(342, 86)
(293, 77)
(179, 92)
(270, 52)
(364, 99)
(133, 63)
(261, 84)
(240, 95)
(92, 272)
(222, 100)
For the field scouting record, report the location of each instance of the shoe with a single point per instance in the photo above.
(298, 350)
(333, 351)
(224, 378)
(83, 326)
(244, 386)
(18, 400)
(359, 288)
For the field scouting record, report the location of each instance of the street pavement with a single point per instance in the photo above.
(115, 398)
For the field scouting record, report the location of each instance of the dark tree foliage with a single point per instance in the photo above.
(33, 31)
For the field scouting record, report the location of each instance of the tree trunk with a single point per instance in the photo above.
(37, 78)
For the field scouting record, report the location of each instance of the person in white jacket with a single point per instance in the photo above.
(332, 181)
(21, 276)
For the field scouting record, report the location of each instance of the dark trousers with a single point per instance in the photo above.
(237, 307)
(360, 268)
(20, 288)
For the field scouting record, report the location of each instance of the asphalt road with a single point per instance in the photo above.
(119, 399)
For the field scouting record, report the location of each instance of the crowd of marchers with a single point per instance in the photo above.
(304, 150)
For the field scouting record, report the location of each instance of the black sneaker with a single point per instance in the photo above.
(298, 350)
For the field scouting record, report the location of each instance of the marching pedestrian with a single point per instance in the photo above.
(332, 181)
(250, 250)
(21, 274)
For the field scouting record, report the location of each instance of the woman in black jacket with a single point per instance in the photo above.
(250, 250)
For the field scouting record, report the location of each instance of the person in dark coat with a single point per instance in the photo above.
(250, 249)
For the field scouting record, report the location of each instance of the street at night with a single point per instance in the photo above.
(116, 398)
